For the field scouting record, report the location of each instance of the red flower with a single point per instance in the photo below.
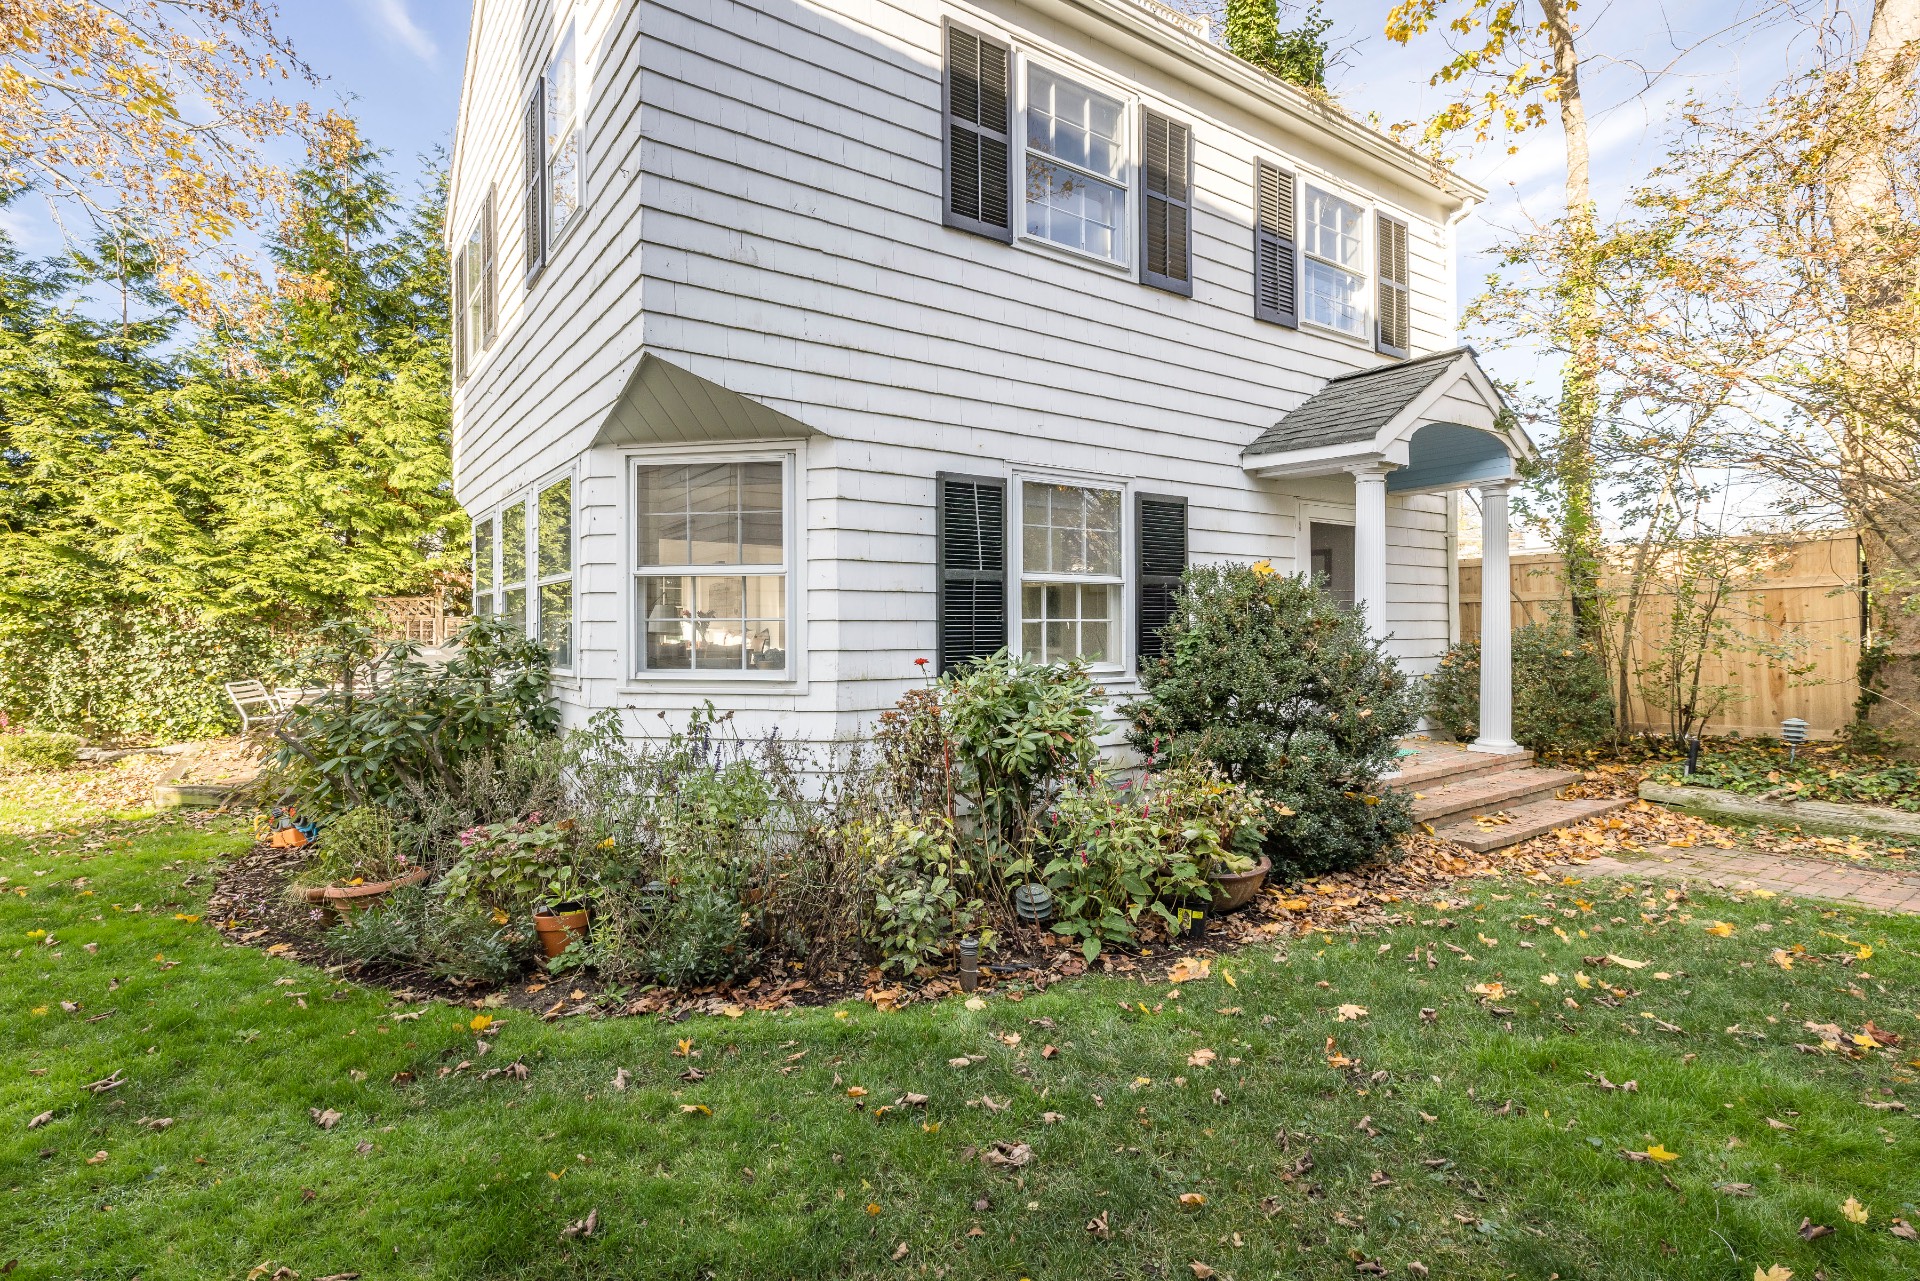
(919, 662)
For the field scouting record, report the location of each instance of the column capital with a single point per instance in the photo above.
(1498, 485)
(1361, 471)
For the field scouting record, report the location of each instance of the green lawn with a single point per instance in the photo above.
(1474, 1142)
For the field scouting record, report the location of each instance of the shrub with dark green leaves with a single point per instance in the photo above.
(1268, 678)
(39, 749)
(1562, 700)
(393, 728)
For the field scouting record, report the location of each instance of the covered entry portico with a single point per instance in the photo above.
(1422, 426)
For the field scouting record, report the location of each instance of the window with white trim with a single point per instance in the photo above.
(1076, 178)
(561, 113)
(1072, 573)
(1333, 277)
(523, 567)
(712, 566)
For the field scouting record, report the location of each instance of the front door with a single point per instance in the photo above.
(1330, 559)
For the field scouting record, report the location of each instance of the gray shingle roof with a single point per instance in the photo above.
(1354, 407)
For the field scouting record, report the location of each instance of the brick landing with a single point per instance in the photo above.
(1801, 877)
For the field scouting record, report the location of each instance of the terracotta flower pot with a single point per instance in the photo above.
(351, 898)
(559, 926)
(1236, 889)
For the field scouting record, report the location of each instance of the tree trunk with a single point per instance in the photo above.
(1880, 478)
(1579, 382)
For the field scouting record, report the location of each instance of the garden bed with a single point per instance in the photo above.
(251, 905)
(1872, 820)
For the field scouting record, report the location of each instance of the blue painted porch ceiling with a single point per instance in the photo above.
(1450, 456)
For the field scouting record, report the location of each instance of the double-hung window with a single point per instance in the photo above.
(1071, 573)
(1333, 267)
(473, 294)
(562, 113)
(712, 566)
(1076, 165)
(523, 567)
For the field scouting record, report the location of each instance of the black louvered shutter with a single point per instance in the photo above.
(534, 182)
(489, 306)
(979, 153)
(971, 549)
(1160, 525)
(1396, 320)
(1275, 285)
(1166, 237)
(459, 292)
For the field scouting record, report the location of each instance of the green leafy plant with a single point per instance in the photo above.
(393, 726)
(1816, 772)
(1562, 698)
(386, 933)
(364, 844)
(40, 749)
(1270, 680)
(922, 891)
(703, 935)
(508, 869)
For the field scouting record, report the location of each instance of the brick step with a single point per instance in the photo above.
(1435, 767)
(1535, 818)
(1484, 793)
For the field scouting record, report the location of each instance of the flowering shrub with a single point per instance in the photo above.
(510, 868)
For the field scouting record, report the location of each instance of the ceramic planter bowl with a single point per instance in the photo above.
(1236, 889)
(558, 926)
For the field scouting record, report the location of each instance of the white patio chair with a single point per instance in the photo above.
(254, 703)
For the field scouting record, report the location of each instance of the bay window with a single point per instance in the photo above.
(1071, 574)
(1333, 270)
(523, 567)
(712, 565)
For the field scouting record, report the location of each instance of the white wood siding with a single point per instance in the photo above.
(762, 208)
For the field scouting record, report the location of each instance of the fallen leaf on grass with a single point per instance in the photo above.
(1051, 1118)
(700, 1108)
(1853, 1211)
(1811, 1231)
(1654, 1152)
(1098, 1226)
(620, 1078)
(1780, 1125)
(157, 1123)
(1200, 1270)
(1621, 960)
(1773, 1273)
(40, 1120)
(1189, 969)
(1193, 1200)
(97, 1158)
(900, 1252)
(1904, 1230)
(976, 1004)
(1348, 1013)
(1008, 1155)
(326, 1118)
(1201, 1058)
(582, 1227)
(1734, 1189)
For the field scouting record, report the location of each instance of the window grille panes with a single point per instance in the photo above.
(553, 568)
(1071, 573)
(713, 520)
(483, 565)
(563, 138)
(474, 321)
(1076, 166)
(1333, 286)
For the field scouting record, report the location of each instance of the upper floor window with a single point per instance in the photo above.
(473, 293)
(1333, 269)
(1076, 165)
(712, 566)
(563, 138)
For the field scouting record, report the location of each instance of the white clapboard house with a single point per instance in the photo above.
(800, 340)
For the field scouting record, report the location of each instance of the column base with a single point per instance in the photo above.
(1495, 746)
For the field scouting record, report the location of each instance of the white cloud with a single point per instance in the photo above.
(392, 17)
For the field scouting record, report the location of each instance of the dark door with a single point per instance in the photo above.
(1330, 559)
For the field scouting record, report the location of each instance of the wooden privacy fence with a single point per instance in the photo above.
(1808, 594)
(421, 619)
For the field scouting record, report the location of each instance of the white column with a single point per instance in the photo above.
(1370, 546)
(1496, 624)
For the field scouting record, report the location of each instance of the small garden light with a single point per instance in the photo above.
(1793, 732)
(1033, 903)
(969, 963)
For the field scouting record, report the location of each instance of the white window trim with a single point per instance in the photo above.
(638, 677)
(528, 497)
(473, 250)
(1119, 664)
(1369, 211)
(568, 30)
(1126, 264)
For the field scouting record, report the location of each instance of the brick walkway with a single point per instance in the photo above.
(1804, 877)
